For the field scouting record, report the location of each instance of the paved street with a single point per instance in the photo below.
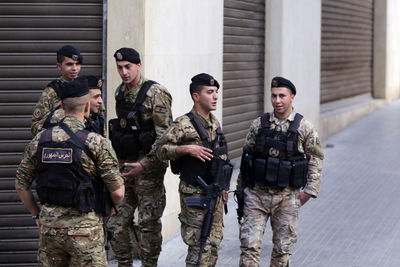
(355, 222)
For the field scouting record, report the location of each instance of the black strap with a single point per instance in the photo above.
(77, 140)
(294, 125)
(199, 127)
(140, 96)
(265, 124)
(56, 85)
(47, 124)
(143, 91)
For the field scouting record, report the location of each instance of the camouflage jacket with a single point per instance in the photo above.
(309, 144)
(105, 167)
(182, 132)
(158, 108)
(48, 102)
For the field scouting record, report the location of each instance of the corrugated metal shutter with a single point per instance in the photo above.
(243, 94)
(346, 48)
(30, 34)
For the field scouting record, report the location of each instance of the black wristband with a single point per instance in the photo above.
(35, 217)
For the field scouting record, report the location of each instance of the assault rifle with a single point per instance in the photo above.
(208, 202)
(245, 171)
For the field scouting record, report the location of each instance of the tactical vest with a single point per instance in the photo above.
(276, 160)
(128, 133)
(217, 170)
(95, 124)
(62, 179)
(56, 85)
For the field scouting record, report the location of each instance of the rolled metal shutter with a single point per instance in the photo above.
(346, 48)
(243, 84)
(30, 34)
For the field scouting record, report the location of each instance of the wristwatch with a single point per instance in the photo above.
(35, 217)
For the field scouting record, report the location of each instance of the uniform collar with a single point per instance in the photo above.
(206, 123)
(290, 118)
(136, 87)
(74, 121)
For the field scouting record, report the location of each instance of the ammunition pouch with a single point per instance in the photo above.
(277, 172)
(129, 141)
(221, 171)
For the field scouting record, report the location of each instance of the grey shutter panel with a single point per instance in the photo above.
(346, 48)
(30, 34)
(243, 84)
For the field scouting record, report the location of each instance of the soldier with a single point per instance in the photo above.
(69, 62)
(95, 121)
(197, 148)
(144, 113)
(282, 154)
(67, 161)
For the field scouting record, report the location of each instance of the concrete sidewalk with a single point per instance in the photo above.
(355, 221)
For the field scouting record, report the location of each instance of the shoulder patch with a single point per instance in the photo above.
(160, 109)
(37, 113)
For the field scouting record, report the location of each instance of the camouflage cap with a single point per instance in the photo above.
(78, 87)
(71, 52)
(282, 82)
(128, 54)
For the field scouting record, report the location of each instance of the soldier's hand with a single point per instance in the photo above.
(224, 196)
(200, 152)
(304, 197)
(137, 169)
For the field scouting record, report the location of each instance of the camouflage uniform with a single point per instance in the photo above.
(58, 115)
(48, 102)
(282, 205)
(68, 237)
(146, 191)
(182, 132)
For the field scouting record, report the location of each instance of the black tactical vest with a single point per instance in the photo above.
(56, 85)
(62, 179)
(128, 133)
(217, 170)
(95, 124)
(276, 160)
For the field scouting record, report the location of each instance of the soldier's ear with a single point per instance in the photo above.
(195, 97)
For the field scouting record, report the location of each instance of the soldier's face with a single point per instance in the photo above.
(69, 69)
(281, 99)
(95, 101)
(207, 99)
(129, 72)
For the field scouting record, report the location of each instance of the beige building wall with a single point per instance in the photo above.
(387, 49)
(293, 45)
(177, 40)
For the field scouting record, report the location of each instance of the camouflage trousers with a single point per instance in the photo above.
(146, 193)
(282, 207)
(71, 247)
(191, 219)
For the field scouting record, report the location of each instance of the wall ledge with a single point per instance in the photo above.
(337, 115)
